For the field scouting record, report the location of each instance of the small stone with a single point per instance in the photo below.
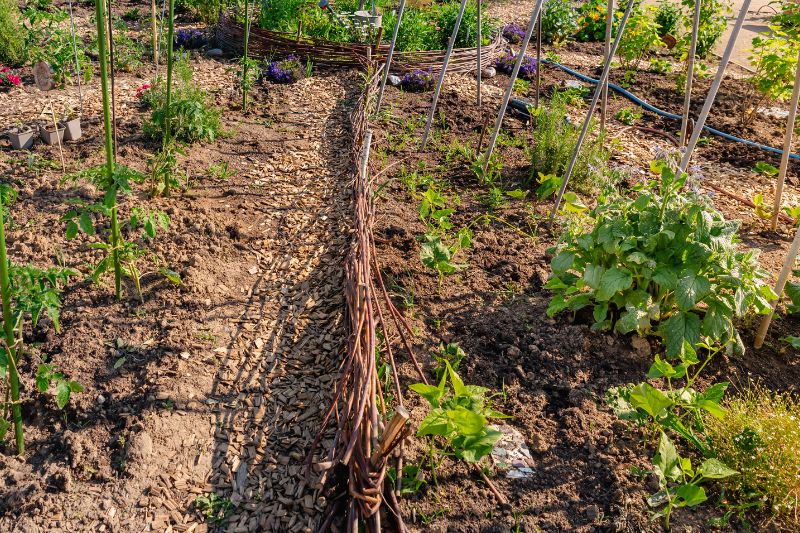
(513, 352)
(101, 399)
(214, 52)
(489, 72)
(394, 80)
(140, 446)
(592, 512)
(641, 346)
(185, 355)
(573, 84)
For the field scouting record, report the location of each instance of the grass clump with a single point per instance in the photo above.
(759, 436)
(12, 36)
(554, 139)
(192, 118)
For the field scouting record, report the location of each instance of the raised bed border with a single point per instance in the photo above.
(230, 36)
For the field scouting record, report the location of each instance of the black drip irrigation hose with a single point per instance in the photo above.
(521, 106)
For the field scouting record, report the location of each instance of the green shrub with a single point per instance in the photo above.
(664, 261)
(668, 17)
(559, 21)
(48, 39)
(192, 117)
(592, 21)
(759, 436)
(12, 35)
(713, 22)
(774, 59)
(554, 139)
(640, 37)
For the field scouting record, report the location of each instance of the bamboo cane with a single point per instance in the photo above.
(479, 73)
(447, 54)
(788, 264)
(537, 9)
(154, 30)
(245, 58)
(712, 92)
(538, 60)
(787, 147)
(592, 106)
(8, 328)
(389, 55)
(687, 100)
(607, 59)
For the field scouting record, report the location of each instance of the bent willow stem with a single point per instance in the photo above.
(100, 16)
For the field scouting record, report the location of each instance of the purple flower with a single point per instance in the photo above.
(288, 70)
(526, 71)
(418, 81)
(514, 33)
(189, 38)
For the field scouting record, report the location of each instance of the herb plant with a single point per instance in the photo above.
(12, 34)
(664, 261)
(628, 116)
(668, 17)
(559, 21)
(418, 81)
(527, 69)
(287, 70)
(640, 38)
(459, 416)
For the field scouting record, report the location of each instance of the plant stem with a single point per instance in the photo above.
(246, 59)
(8, 326)
(100, 16)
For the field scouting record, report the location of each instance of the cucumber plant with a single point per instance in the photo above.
(663, 261)
(27, 293)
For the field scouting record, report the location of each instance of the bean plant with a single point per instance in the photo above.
(27, 292)
(662, 261)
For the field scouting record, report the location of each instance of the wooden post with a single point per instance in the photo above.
(480, 72)
(687, 100)
(447, 54)
(389, 55)
(787, 148)
(788, 263)
(712, 92)
(606, 59)
(592, 106)
(537, 9)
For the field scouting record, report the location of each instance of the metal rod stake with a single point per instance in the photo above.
(690, 73)
(388, 64)
(787, 148)
(788, 264)
(607, 59)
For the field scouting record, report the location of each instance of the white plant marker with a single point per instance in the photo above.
(712, 92)
(389, 55)
(537, 9)
(687, 99)
(788, 263)
(787, 148)
(447, 54)
(592, 106)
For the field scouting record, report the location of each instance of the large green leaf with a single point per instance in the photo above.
(466, 422)
(691, 495)
(667, 461)
(612, 281)
(691, 289)
(716, 469)
(678, 328)
(436, 423)
(651, 400)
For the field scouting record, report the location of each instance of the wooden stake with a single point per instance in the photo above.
(787, 148)
(712, 92)
(537, 9)
(447, 54)
(58, 138)
(687, 100)
(607, 59)
(154, 29)
(786, 270)
(592, 106)
(389, 55)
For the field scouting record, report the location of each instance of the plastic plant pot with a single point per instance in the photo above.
(51, 137)
(72, 129)
(21, 138)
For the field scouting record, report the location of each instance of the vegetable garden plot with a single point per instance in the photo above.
(231, 204)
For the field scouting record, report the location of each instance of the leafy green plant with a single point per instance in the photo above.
(554, 139)
(459, 416)
(668, 17)
(12, 34)
(765, 169)
(162, 169)
(128, 52)
(190, 116)
(47, 40)
(713, 21)
(660, 66)
(774, 59)
(628, 116)
(439, 253)
(48, 375)
(559, 21)
(663, 256)
(680, 484)
(762, 208)
(220, 171)
(26, 292)
(592, 21)
(450, 353)
(759, 436)
(640, 38)
(213, 508)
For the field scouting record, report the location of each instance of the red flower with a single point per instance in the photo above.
(16, 80)
(141, 90)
